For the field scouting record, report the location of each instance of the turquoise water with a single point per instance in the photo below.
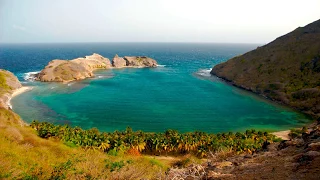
(180, 95)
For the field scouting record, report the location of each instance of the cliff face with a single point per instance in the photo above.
(8, 83)
(81, 68)
(286, 70)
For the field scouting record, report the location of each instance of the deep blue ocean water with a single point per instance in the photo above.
(179, 95)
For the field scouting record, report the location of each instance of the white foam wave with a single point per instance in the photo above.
(204, 72)
(30, 76)
(159, 65)
(70, 84)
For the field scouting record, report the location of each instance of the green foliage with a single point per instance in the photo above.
(113, 152)
(297, 133)
(155, 162)
(115, 166)
(171, 141)
(60, 170)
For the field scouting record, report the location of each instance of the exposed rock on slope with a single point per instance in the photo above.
(8, 83)
(297, 158)
(286, 70)
(81, 68)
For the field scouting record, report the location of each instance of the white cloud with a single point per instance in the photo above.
(21, 28)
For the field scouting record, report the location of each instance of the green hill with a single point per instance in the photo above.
(286, 70)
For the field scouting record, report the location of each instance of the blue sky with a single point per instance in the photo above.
(227, 21)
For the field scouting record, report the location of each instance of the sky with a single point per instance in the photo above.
(217, 21)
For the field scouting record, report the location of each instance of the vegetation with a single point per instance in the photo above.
(3, 83)
(170, 142)
(24, 155)
(286, 70)
(297, 133)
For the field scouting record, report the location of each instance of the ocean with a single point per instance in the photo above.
(179, 94)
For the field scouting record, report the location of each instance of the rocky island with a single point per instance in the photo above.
(286, 70)
(82, 68)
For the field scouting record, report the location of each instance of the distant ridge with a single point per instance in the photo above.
(286, 70)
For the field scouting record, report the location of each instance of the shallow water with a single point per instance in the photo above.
(180, 95)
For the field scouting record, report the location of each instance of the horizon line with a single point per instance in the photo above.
(188, 42)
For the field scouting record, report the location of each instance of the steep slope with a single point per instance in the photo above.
(8, 83)
(286, 70)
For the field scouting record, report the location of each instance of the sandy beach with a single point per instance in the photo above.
(21, 90)
(282, 134)
(18, 92)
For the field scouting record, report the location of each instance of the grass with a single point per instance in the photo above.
(24, 155)
(3, 83)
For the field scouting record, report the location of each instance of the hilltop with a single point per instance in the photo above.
(286, 70)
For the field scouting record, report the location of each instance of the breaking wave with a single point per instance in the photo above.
(204, 72)
(30, 76)
(159, 65)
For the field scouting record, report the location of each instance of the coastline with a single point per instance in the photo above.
(230, 82)
(282, 134)
(21, 90)
(17, 92)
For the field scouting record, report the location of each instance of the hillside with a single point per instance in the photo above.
(47, 151)
(286, 70)
(25, 155)
(8, 83)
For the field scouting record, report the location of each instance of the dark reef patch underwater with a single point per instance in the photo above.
(179, 94)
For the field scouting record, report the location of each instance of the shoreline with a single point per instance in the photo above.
(284, 135)
(21, 90)
(17, 92)
(230, 82)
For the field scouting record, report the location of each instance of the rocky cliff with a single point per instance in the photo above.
(286, 70)
(81, 68)
(8, 83)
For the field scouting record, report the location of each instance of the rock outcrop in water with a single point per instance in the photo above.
(133, 61)
(140, 61)
(118, 62)
(8, 83)
(82, 68)
(286, 70)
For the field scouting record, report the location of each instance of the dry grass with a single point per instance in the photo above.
(24, 155)
(8, 117)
